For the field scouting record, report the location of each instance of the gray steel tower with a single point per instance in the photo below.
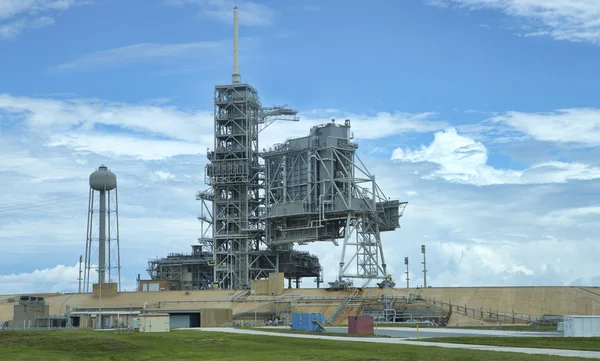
(236, 179)
(233, 174)
(102, 236)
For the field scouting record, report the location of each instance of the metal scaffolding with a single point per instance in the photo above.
(192, 271)
(234, 173)
(318, 189)
(233, 207)
(195, 271)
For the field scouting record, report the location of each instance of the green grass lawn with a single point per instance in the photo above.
(197, 345)
(565, 343)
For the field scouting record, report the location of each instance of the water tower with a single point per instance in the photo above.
(102, 237)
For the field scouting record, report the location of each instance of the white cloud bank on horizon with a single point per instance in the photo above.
(520, 231)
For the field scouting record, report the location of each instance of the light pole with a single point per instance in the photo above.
(424, 266)
(100, 277)
(407, 279)
(130, 320)
(80, 279)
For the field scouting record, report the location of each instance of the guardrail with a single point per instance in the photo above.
(484, 315)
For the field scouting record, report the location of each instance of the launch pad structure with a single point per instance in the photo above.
(318, 189)
(259, 204)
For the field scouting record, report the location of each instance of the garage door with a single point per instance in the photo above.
(179, 321)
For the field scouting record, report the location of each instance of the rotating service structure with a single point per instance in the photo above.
(102, 235)
(318, 189)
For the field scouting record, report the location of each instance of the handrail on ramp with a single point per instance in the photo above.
(319, 324)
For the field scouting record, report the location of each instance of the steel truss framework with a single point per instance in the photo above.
(234, 174)
(110, 212)
(193, 271)
(318, 189)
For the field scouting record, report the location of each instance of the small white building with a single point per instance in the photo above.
(154, 322)
(582, 326)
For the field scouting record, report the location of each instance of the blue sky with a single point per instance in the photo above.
(482, 114)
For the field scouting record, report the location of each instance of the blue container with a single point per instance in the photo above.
(308, 321)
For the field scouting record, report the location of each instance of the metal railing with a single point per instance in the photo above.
(484, 315)
(333, 317)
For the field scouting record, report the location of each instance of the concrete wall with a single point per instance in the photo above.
(154, 323)
(215, 317)
(276, 283)
(25, 313)
(259, 287)
(524, 300)
(167, 285)
(582, 326)
(108, 290)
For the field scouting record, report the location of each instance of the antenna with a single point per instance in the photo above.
(236, 71)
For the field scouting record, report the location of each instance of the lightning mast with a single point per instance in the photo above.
(235, 78)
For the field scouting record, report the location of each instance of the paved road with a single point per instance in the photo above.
(399, 341)
(411, 333)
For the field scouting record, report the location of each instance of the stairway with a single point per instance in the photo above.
(238, 297)
(338, 311)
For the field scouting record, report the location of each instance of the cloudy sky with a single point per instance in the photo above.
(482, 114)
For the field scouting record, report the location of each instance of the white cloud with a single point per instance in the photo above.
(146, 52)
(576, 125)
(61, 278)
(163, 131)
(249, 13)
(11, 8)
(13, 29)
(438, 3)
(57, 279)
(572, 20)
(364, 126)
(17, 16)
(464, 160)
(115, 145)
(485, 236)
(572, 217)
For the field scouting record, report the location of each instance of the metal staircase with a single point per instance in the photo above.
(239, 296)
(338, 311)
